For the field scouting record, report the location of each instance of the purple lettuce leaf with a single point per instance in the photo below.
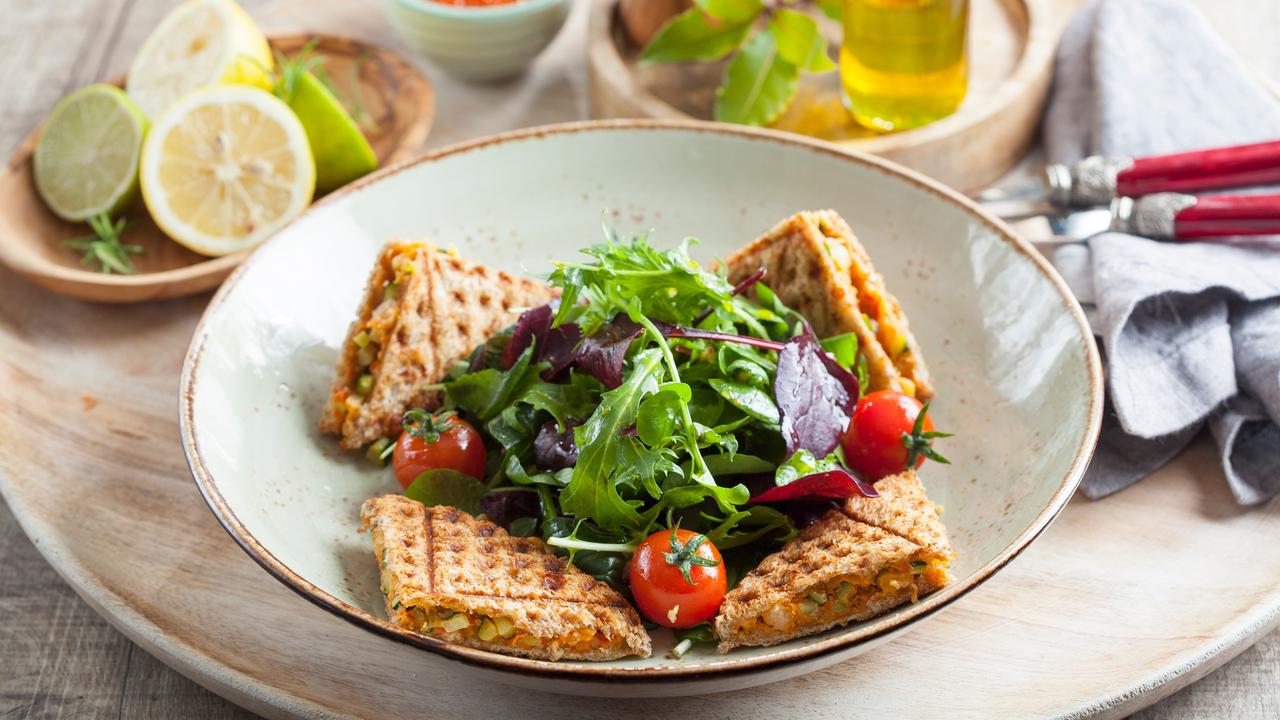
(836, 484)
(532, 325)
(560, 350)
(554, 450)
(507, 506)
(815, 396)
(602, 355)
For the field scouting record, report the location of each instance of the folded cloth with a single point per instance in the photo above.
(1190, 331)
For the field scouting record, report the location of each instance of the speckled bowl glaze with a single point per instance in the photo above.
(1015, 364)
(478, 43)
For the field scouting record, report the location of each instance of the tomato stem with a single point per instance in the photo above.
(920, 443)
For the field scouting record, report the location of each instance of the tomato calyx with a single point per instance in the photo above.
(421, 424)
(684, 556)
(920, 443)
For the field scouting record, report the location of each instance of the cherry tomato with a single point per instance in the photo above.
(434, 443)
(883, 435)
(677, 578)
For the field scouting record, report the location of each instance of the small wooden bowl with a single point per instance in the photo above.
(398, 104)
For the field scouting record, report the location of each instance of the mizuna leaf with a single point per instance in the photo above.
(692, 35)
(836, 484)
(757, 85)
(800, 42)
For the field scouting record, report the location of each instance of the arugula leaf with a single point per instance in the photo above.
(758, 84)
(800, 42)
(658, 418)
(693, 35)
(761, 520)
(750, 400)
(737, 464)
(515, 472)
(448, 487)
(568, 401)
(604, 452)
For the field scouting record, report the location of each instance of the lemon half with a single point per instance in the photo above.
(199, 43)
(225, 167)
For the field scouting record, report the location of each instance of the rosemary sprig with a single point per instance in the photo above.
(290, 70)
(104, 246)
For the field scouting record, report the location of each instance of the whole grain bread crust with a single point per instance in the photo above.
(445, 307)
(443, 557)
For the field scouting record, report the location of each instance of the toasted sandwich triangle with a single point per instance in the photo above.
(451, 576)
(422, 311)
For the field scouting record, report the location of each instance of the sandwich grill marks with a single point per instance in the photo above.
(448, 575)
(853, 564)
(422, 311)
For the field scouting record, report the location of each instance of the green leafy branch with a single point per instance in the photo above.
(761, 79)
(104, 246)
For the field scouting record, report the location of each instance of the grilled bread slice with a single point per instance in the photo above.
(853, 564)
(451, 576)
(422, 311)
(816, 266)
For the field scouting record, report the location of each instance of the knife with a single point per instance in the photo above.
(1098, 180)
(1173, 216)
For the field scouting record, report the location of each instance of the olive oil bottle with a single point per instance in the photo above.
(903, 62)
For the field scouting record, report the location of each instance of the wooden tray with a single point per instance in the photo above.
(1011, 60)
(398, 106)
(1119, 604)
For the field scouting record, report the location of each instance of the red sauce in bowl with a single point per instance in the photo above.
(474, 3)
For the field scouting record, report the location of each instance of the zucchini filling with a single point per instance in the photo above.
(462, 626)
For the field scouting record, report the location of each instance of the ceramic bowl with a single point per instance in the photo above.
(1015, 364)
(478, 43)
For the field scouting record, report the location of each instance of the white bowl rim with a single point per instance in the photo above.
(515, 9)
(605, 672)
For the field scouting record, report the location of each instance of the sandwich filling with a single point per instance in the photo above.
(846, 597)
(375, 331)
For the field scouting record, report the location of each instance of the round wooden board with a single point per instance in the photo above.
(1011, 46)
(396, 107)
(1120, 603)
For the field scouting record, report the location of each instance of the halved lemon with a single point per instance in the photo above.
(225, 167)
(199, 43)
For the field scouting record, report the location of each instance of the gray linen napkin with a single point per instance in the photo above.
(1190, 331)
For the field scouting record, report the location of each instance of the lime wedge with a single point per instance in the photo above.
(341, 151)
(86, 160)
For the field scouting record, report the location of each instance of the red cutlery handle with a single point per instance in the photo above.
(1199, 170)
(1225, 215)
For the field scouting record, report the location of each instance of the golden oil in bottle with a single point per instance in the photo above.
(903, 62)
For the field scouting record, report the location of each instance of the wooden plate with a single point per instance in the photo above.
(398, 106)
(1011, 45)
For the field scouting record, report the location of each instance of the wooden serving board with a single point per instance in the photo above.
(1119, 604)
(1011, 45)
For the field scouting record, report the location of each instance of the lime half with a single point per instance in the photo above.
(341, 151)
(86, 160)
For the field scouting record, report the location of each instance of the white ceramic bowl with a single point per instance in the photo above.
(478, 43)
(1015, 364)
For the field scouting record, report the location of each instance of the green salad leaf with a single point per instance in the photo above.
(448, 487)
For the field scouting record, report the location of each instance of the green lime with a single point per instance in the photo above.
(341, 151)
(86, 160)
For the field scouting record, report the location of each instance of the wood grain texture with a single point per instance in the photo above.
(61, 660)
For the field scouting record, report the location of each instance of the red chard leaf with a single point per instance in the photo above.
(836, 484)
(532, 325)
(602, 355)
(815, 396)
(555, 450)
(560, 350)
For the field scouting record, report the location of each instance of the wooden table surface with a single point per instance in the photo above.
(59, 659)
